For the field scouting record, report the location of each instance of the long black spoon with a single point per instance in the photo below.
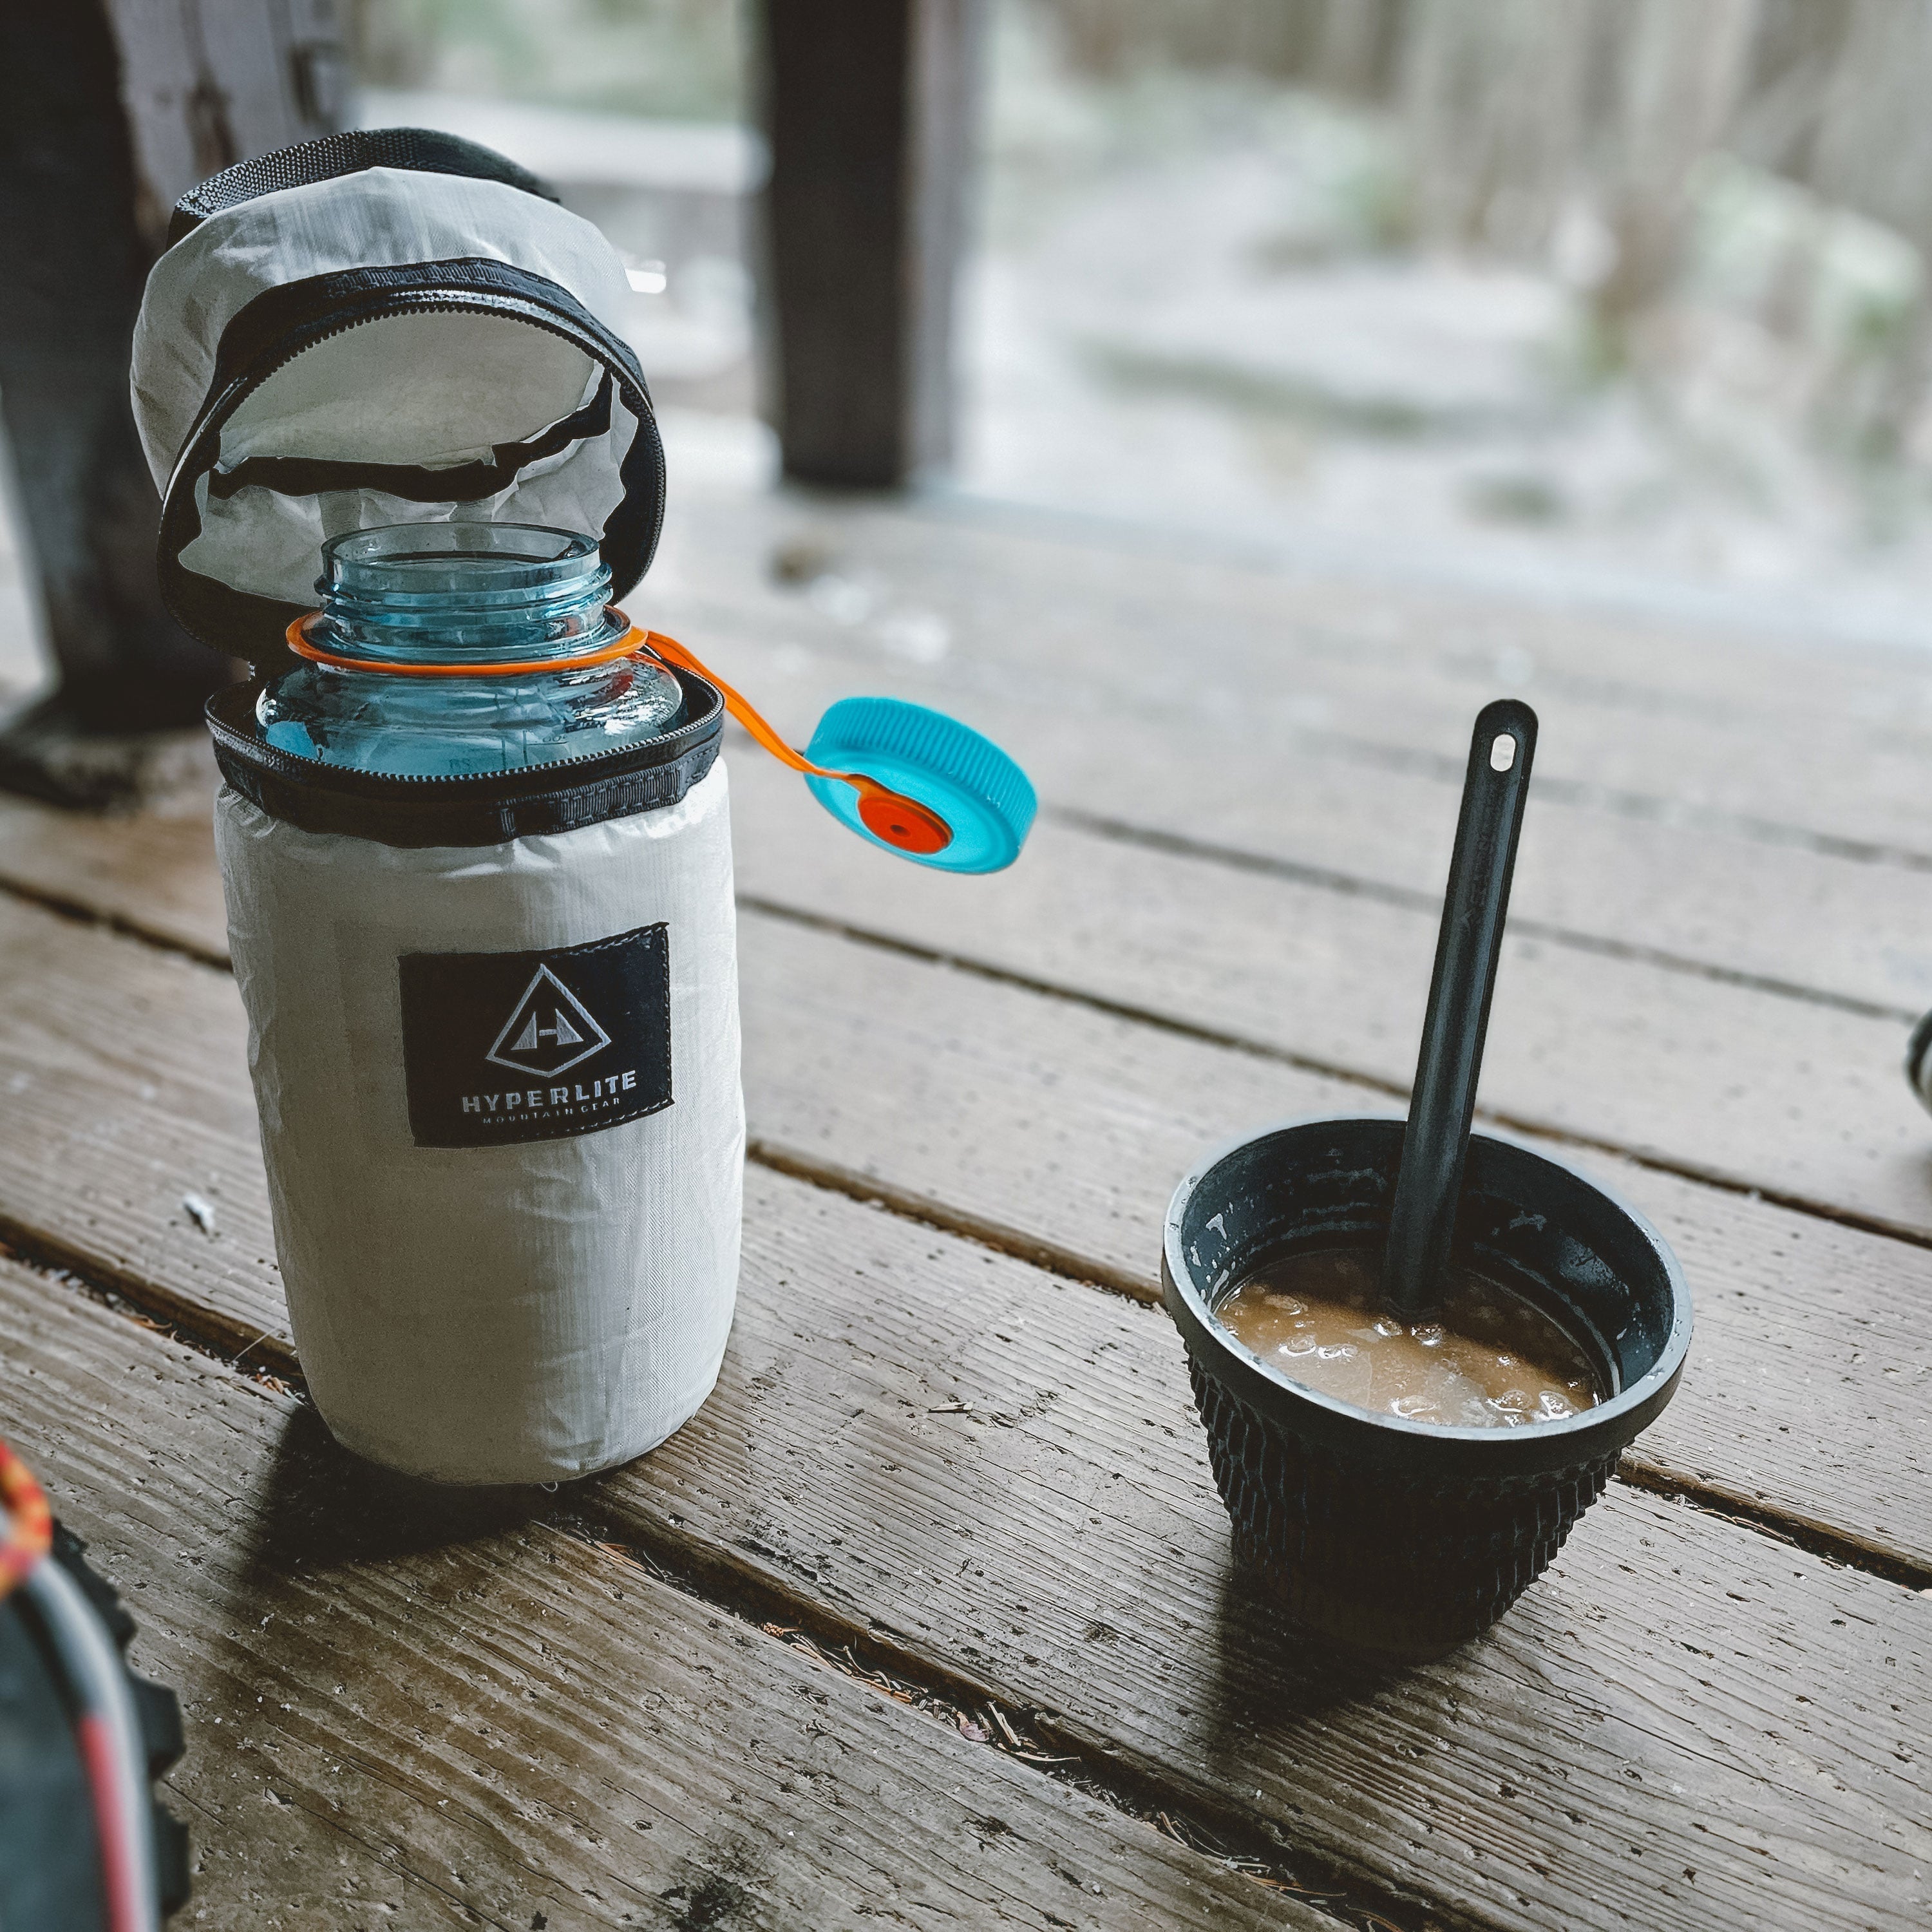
(1436, 1140)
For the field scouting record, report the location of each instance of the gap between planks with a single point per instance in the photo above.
(1795, 1101)
(762, 1539)
(838, 927)
(1145, 708)
(190, 1307)
(757, 1597)
(202, 1327)
(68, 1344)
(1021, 601)
(1124, 832)
(165, 939)
(1693, 1098)
(783, 1477)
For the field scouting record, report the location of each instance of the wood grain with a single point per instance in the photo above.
(1713, 723)
(124, 1078)
(1745, 1086)
(1052, 1130)
(406, 1707)
(1237, 753)
(980, 1463)
(1245, 784)
(1754, 1090)
(995, 1474)
(1059, 1132)
(1127, 690)
(154, 874)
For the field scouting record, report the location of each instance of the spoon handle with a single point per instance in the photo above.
(1430, 1181)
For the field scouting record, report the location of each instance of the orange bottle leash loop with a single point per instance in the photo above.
(30, 1523)
(887, 815)
(671, 652)
(305, 647)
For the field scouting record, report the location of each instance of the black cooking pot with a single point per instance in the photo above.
(1390, 1538)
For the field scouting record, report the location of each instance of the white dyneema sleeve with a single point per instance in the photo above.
(502, 1118)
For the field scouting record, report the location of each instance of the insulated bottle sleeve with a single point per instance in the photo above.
(503, 1128)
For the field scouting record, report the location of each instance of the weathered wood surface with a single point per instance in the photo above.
(154, 874)
(1131, 692)
(915, 1437)
(406, 1708)
(1059, 1132)
(948, 1454)
(1037, 1124)
(205, 83)
(1735, 1083)
(1655, 711)
(1743, 1082)
(124, 1079)
(943, 1452)
(1085, 660)
(1003, 1490)
(1801, 1101)
(1705, 900)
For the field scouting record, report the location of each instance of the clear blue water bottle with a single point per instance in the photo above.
(417, 602)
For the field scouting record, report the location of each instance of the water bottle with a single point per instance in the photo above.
(475, 846)
(528, 606)
(477, 858)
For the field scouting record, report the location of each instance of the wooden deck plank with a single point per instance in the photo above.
(1851, 933)
(124, 1076)
(1249, 790)
(1014, 1476)
(1060, 1132)
(1753, 1089)
(1053, 1130)
(1661, 711)
(1800, 1101)
(952, 1454)
(461, 1714)
(1245, 775)
(152, 874)
(995, 1472)
(991, 565)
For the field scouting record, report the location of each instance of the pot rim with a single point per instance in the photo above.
(1557, 1445)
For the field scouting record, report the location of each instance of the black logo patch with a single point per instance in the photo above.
(503, 1047)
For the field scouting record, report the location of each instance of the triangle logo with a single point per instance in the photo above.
(549, 1029)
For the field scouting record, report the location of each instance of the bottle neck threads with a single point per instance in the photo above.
(464, 593)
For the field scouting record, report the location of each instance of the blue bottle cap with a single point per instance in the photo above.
(986, 801)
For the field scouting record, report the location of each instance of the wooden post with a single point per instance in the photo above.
(109, 109)
(870, 111)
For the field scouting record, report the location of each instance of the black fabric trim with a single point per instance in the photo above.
(280, 323)
(420, 150)
(460, 483)
(1917, 1048)
(484, 810)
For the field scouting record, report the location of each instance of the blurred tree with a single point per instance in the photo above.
(679, 59)
(1348, 46)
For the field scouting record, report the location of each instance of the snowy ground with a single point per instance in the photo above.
(1191, 324)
